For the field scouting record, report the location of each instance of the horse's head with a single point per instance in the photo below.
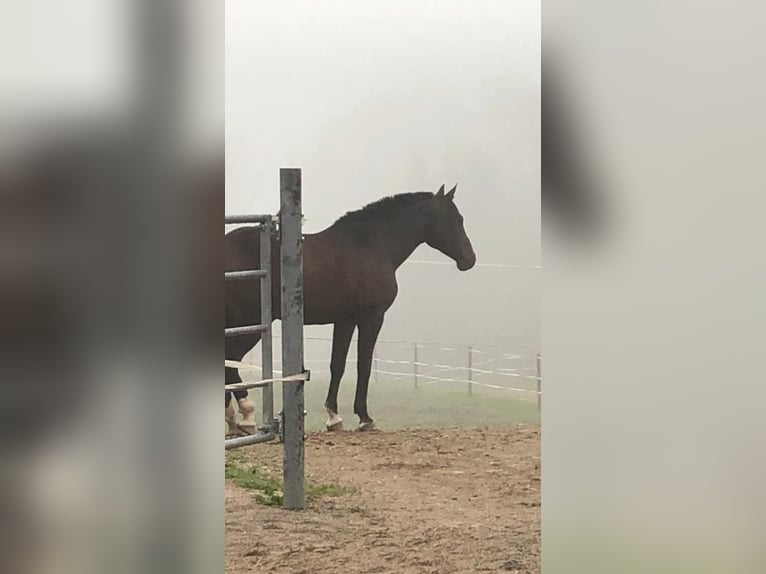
(446, 232)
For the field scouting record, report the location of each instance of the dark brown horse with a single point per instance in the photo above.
(349, 280)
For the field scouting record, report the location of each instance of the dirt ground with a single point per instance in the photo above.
(423, 501)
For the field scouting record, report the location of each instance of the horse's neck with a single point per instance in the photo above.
(400, 236)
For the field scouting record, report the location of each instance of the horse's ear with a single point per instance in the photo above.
(451, 192)
(440, 193)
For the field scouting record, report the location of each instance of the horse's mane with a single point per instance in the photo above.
(383, 208)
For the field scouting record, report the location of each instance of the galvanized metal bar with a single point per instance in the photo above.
(247, 440)
(246, 330)
(239, 275)
(258, 218)
(267, 357)
(292, 335)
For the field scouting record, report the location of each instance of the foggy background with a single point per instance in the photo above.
(653, 456)
(373, 99)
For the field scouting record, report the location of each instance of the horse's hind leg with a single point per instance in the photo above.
(247, 410)
(235, 351)
(231, 414)
(246, 407)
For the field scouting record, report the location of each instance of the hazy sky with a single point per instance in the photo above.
(376, 98)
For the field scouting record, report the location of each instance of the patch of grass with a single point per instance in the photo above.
(267, 489)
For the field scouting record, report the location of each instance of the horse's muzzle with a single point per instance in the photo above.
(466, 263)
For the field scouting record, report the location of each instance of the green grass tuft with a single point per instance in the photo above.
(267, 490)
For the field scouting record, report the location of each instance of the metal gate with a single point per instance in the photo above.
(289, 427)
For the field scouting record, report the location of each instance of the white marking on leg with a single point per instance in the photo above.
(247, 408)
(334, 420)
(367, 426)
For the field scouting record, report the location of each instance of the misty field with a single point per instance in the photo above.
(397, 405)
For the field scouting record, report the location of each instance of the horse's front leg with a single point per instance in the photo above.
(341, 340)
(369, 329)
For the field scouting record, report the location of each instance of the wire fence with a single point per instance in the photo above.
(512, 370)
(497, 368)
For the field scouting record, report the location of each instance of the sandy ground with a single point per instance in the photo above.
(424, 501)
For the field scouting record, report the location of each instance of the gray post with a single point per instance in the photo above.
(470, 371)
(267, 365)
(415, 362)
(292, 335)
(539, 382)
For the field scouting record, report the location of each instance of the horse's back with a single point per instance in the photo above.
(242, 249)
(341, 280)
(242, 252)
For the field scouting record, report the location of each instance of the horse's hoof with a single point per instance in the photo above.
(338, 426)
(367, 426)
(334, 422)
